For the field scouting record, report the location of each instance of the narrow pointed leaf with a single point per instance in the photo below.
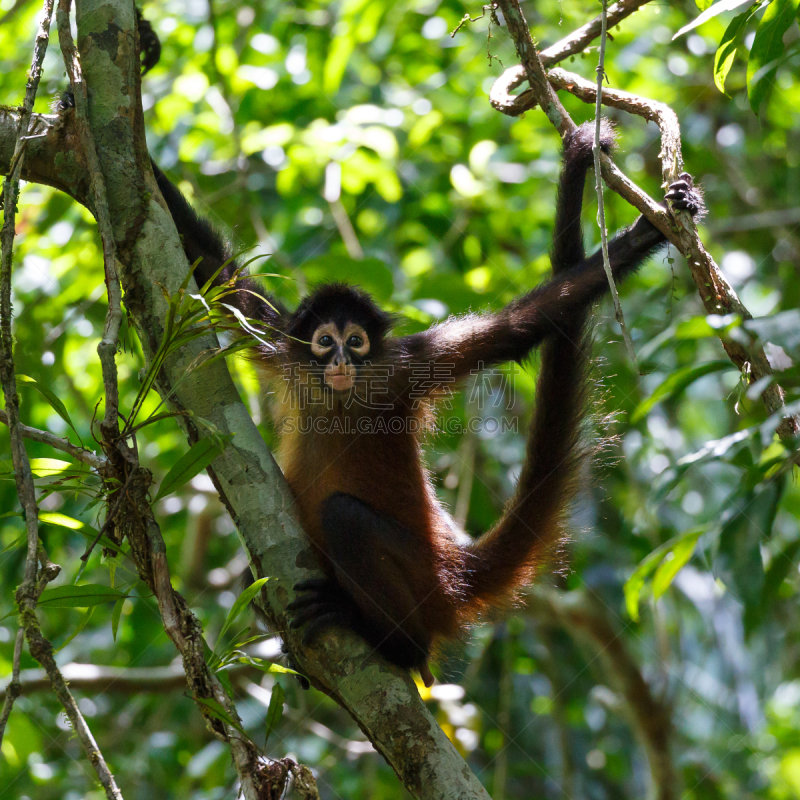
(274, 710)
(200, 455)
(52, 399)
(676, 383)
(726, 52)
(89, 594)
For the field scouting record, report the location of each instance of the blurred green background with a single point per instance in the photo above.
(259, 113)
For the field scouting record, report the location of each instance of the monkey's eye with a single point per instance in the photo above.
(325, 341)
(355, 341)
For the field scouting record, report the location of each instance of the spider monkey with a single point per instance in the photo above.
(394, 571)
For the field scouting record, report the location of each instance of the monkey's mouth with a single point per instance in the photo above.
(340, 379)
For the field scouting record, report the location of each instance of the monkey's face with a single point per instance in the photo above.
(341, 350)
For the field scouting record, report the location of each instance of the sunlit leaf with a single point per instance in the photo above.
(87, 531)
(768, 48)
(719, 7)
(670, 567)
(681, 548)
(726, 52)
(48, 467)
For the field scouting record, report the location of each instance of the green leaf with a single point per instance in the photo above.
(737, 561)
(200, 455)
(52, 399)
(670, 567)
(267, 667)
(726, 52)
(115, 617)
(768, 48)
(87, 615)
(676, 383)
(18, 542)
(87, 531)
(718, 8)
(274, 710)
(717, 448)
(635, 584)
(215, 710)
(241, 603)
(89, 594)
(678, 546)
(48, 467)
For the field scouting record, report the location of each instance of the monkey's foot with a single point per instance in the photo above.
(683, 196)
(321, 603)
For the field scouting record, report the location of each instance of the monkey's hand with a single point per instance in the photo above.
(322, 602)
(683, 196)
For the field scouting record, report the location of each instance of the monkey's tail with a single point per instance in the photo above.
(533, 527)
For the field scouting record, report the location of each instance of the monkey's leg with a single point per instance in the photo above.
(376, 589)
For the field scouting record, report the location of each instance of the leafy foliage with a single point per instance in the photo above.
(451, 204)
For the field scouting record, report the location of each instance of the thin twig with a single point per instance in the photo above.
(64, 445)
(534, 69)
(19, 456)
(598, 185)
(514, 105)
(41, 649)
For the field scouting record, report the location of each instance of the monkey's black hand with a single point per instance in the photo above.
(684, 197)
(149, 43)
(322, 603)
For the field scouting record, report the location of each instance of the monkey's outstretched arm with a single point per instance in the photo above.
(474, 342)
(204, 246)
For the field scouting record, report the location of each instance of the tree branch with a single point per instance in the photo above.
(514, 105)
(65, 445)
(125, 680)
(382, 698)
(55, 159)
(717, 294)
(107, 348)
